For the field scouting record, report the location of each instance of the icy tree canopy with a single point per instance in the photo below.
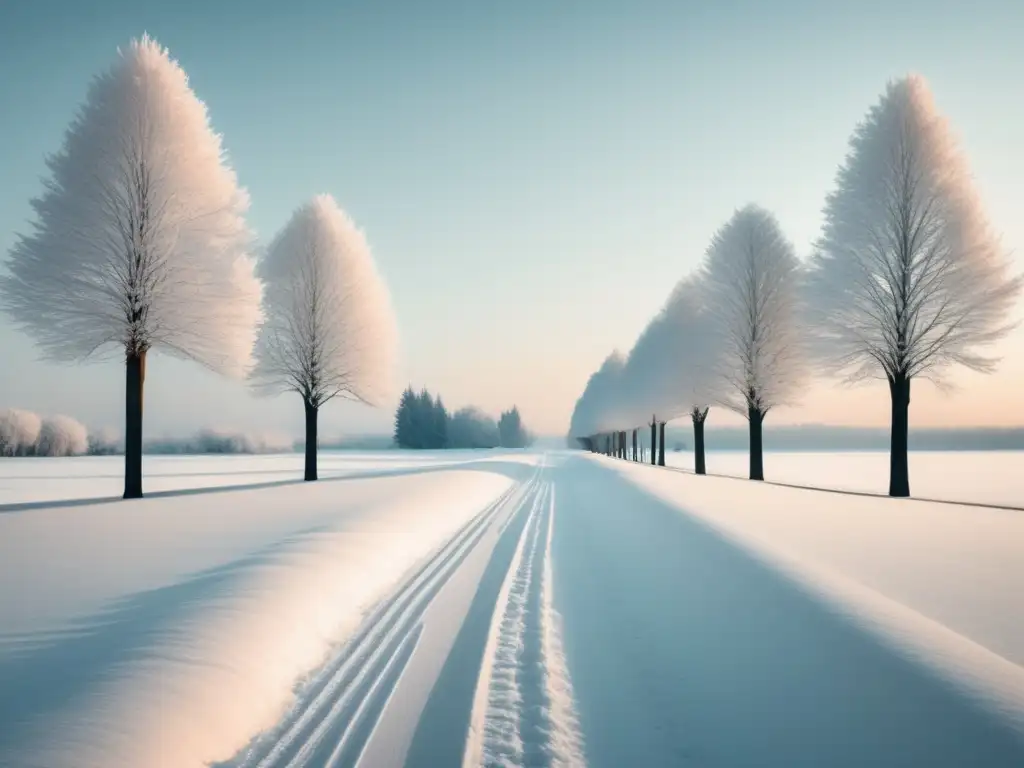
(601, 407)
(330, 329)
(908, 277)
(672, 365)
(139, 239)
(752, 279)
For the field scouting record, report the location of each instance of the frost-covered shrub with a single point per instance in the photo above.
(62, 436)
(104, 442)
(19, 431)
(218, 441)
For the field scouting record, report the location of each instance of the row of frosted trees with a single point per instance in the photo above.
(140, 242)
(906, 281)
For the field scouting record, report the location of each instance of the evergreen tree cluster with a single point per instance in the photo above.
(423, 422)
(512, 431)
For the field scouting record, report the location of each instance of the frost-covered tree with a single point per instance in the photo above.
(512, 430)
(440, 423)
(908, 279)
(751, 280)
(692, 351)
(62, 436)
(669, 371)
(139, 240)
(647, 385)
(404, 435)
(329, 329)
(19, 432)
(601, 410)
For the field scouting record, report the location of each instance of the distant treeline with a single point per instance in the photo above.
(213, 441)
(24, 433)
(423, 422)
(814, 437)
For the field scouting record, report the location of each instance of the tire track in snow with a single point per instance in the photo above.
(523, 710)
(565, 736)
(335, 715)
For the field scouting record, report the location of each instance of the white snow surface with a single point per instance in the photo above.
(973, 477)
(128, 628)
(31, 480)
(636, 616)
(954, 574)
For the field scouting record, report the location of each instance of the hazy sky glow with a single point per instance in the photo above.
(532, 179)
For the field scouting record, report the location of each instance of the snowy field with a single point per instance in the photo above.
(978, 477)
(26, 480)
(511, 609)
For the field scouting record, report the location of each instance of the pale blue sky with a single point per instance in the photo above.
(533, 176)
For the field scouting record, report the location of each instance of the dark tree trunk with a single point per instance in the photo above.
(311, 441)
(756, 418)
(135, 380)
(661, 445)
(698, 444)
(899, 472)
(635, 456)
(654, 441)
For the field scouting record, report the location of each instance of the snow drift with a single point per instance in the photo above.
(938, 584)
(170, 631)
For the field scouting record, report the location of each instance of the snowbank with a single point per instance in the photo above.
(712, 622)
(170, 631)
(939, 584)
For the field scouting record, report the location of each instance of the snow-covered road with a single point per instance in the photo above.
(540, 610)
(613, 624)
